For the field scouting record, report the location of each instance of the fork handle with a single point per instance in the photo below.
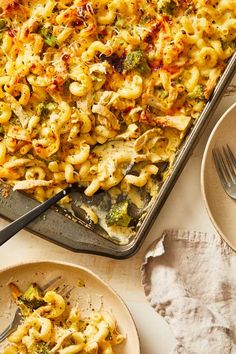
(24, 220)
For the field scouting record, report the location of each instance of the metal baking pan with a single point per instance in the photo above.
(77, 235)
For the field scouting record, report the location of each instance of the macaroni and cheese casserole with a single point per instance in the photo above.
(102, 92)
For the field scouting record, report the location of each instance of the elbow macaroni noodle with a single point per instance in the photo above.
(75, 75)
(57, 328)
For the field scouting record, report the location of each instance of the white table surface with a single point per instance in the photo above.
(183, 209)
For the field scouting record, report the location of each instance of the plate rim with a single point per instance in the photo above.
(86, 270)
(202, 176)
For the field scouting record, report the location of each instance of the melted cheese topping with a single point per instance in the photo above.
(89, 87)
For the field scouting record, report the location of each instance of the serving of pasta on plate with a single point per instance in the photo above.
(65, 309)
(90, 88)
(51, 324)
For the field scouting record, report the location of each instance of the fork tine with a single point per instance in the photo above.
(7, 332)
(64, 290)
(230, 161)
(231, 156)
(51, 284)
(57, 285)
(219, 166)
(224, 167)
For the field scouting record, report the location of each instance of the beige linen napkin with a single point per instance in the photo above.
(190, 280)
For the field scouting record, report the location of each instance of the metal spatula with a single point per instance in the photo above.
(17, 225)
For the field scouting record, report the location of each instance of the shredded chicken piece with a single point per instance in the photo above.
(28, 184)
(105, 112)
(18, 110)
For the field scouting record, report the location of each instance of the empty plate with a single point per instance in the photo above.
(220, 207)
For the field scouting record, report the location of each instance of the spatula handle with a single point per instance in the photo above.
(17, 225)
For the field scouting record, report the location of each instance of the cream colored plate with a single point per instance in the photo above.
(221, 208)
(95, 294)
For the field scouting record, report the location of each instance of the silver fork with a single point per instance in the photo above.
(225, 164)
(63, 290)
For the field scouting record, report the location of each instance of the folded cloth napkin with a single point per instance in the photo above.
(190, 279)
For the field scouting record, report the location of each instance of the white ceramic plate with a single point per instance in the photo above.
(95, 294)
(221, 208)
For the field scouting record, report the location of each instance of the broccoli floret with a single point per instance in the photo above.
(41, 348)
(119, 22)
(118, 215)
(163, 94)
(228, 45)
(50, 106)
(136, 60)
(43, 108)
(49, 38)
(167, 7)
(46, 31)
(32, 297)
(197, 93)
(3, 24)
(51, 41)
(133, 59)
(143, 67)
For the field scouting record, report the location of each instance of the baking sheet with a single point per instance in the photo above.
(78, 235)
